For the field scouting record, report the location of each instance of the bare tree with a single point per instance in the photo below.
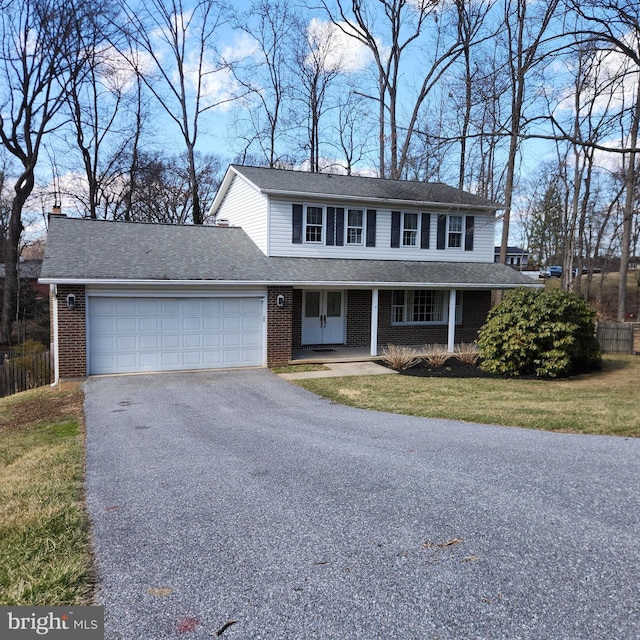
(186, 74)
(40, 54)
(615, 26)
(525, 33)
(264, 123)
(404, 25)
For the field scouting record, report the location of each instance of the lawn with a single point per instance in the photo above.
(607, 402)
(45, 557)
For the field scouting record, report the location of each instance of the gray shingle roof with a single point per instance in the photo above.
(285, 181)
(94, 251)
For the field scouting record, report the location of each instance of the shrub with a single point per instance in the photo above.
(546, 333)
(399, 357)
(467, 352)
(436, 354)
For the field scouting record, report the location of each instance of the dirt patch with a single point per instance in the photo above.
(42, 405)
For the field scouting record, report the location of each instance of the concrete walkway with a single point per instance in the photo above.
(339, 369)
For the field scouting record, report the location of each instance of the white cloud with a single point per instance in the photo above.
(337, 46)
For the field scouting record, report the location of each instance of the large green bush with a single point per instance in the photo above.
(546, 333)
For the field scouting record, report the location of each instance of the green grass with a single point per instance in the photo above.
(606, 402)
(45, 557)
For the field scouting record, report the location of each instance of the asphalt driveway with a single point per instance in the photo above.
(236, 496)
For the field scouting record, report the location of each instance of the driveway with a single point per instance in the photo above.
(236, 496)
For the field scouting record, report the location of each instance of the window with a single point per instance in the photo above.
(454, 234)
(313, 224)
(355, 225)
(409, 229)
(419, 306)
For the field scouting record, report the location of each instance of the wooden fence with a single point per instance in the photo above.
(618, 337)
(24, 372)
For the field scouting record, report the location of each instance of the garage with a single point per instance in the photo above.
(128, 334)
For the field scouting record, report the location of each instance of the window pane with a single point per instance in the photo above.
(312, 304)
(355, 218)
(455, 231)
(410, 230)
(313, 231)
(334, 304)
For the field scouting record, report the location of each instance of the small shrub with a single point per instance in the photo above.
(399, 357)
(545, 333)
(436, 354)
(467, 352)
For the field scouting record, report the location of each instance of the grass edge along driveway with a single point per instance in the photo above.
(602, 403)
(45, 556)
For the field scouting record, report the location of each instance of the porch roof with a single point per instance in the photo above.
(94, 252)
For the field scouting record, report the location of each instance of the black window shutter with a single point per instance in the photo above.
(331, 225)
(442, 231)
(425, 230)
(469, 222)
(395, 228)
(371, 227)
(296, 224)
(340, 226)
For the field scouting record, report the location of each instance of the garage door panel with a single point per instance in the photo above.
(152, 334)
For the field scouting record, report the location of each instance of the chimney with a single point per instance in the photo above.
(56, 212)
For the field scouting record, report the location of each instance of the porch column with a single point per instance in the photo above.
(374, 322)
(451, 331)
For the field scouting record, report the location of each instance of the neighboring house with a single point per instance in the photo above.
(297, 261)
(517, 257)
(29, 272)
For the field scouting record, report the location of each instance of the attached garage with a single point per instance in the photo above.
(148, 332)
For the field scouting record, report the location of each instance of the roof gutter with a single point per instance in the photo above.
(344, 284)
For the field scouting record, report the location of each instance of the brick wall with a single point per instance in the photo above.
(279, 321)
(72, 333)
(358, 318)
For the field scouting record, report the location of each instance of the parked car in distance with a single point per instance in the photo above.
(551, 272)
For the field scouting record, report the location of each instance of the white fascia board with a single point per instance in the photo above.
(342, 284)
(303, 195)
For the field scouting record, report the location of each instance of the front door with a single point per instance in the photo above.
(323, 317)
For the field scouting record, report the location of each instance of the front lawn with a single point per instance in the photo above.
(45, 557)
(606, 402)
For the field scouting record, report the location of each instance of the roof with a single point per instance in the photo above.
(291, 183)
(85, 251)
(517, 250)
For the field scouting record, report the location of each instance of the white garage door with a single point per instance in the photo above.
(129, 335)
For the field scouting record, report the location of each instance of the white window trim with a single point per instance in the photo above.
(360, 227)
(445, 312)
(460, 233)
(322, 225)
(416, 230)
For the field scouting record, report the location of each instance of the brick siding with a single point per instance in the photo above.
(279, 321)
(72, 333)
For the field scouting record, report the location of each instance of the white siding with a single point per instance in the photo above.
(245, 207)
(280, 240)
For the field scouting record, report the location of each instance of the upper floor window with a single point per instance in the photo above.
(409, 229)
(454, 234)
(355, 225)
(314, 223)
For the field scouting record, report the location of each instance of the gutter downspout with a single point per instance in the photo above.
(53, 296)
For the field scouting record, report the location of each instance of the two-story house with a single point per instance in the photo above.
(296, 261)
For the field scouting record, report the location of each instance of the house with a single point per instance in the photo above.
(517, 257)
(28, 273)
(296, 261)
